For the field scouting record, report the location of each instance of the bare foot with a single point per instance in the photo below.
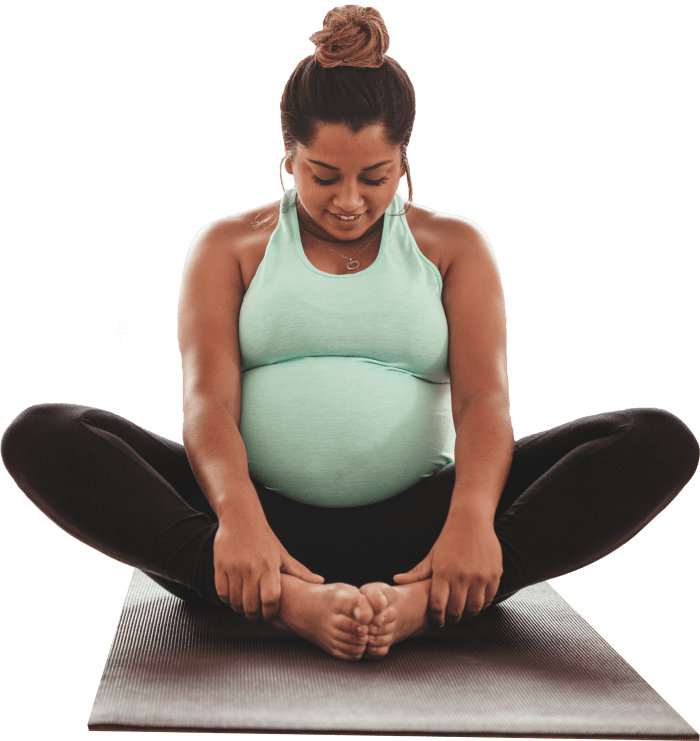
(334, 617)
(399, 613)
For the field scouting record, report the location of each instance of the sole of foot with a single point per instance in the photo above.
(334, 617)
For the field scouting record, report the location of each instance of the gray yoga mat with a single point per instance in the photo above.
(528, 667)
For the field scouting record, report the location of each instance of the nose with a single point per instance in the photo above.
(348, 199)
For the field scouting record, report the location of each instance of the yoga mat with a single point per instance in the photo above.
(528, 667)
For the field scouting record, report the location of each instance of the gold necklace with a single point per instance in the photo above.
(353, 263)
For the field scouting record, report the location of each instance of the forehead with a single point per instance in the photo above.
(340, 142)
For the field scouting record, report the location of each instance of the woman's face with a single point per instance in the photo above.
(347, 174)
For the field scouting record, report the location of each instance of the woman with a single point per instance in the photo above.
(331, 366)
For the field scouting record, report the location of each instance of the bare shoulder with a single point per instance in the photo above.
(447, 240)
(240, 232)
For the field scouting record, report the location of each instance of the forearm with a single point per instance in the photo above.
(218, 457)
(483, 453)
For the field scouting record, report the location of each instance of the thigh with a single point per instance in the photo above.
(636, 452)
(538, 453)
(167, 458)
(48, 445)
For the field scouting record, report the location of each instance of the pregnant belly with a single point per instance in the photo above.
(342, 432)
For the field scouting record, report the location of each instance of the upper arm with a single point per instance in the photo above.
(475, 309)
(211, 294)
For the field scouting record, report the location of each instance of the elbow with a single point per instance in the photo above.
(493, 403)
(201, 408)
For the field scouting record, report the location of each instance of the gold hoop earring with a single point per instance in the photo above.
(409, 183)
(286, 157)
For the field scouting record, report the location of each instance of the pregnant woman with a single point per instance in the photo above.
(348, 470)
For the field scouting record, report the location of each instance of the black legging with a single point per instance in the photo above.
(574, 494)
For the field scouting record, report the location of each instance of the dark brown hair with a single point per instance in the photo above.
(349, 80)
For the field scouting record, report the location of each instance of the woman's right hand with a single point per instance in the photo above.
(248, 560)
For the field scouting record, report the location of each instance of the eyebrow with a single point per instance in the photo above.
(364, 169)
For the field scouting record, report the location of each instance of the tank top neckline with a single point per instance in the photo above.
(311, 266)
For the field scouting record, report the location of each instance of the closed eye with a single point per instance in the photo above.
(369, 182)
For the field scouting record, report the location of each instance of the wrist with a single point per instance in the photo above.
(238, 512)
(471, 510)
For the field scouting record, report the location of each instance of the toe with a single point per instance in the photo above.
(363, 611)
(346, 601)
(349, 625)
(383, 622)
(354, 649)
(351, 639)
(341, 654)
(376, 653)
(379, 641)
(374, 593)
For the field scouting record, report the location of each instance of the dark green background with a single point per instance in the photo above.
(565, 129)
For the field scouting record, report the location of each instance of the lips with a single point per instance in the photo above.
(357, 217)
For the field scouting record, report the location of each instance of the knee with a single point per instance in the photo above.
(665, 442)
(35, 428)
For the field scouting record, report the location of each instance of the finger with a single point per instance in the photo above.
(221, 583)
(270, 593)
(439, 595)
(251, 597)
(418, 573)
(292, 567)
(234, 593)
(491, 591)
(475, 600)
(456, 602)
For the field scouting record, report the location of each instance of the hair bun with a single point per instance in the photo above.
(352, 36)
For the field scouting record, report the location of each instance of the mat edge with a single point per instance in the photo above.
(354, 732)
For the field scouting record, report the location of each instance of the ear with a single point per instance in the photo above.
(288, 166)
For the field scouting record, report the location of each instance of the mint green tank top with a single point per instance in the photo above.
(345, 387)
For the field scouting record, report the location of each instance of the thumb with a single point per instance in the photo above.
(292, 567)
(418, 573)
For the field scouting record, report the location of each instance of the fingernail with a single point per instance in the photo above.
(356, 613)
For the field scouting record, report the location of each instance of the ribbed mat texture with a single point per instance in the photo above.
(529, 667)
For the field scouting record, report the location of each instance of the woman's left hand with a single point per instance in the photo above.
(466, 563)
